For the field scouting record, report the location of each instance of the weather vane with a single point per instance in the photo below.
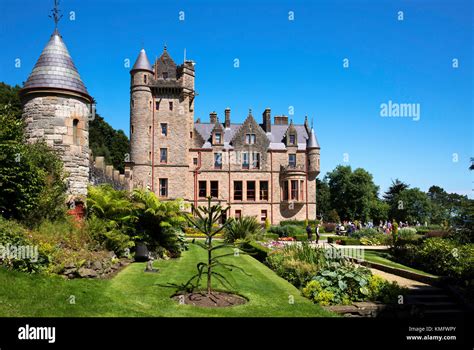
(56, 16)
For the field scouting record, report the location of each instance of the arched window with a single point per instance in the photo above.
(75, 132)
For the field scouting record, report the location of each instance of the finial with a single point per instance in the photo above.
(311, 122)
(56, 16)
(250, 111)
(164, 49)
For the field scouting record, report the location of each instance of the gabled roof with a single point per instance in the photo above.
(142, 62)
(55, 69)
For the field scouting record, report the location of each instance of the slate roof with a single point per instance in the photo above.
(142, 62)
(276, 137)
(55, 68)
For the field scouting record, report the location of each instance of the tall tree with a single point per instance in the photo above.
(323, 198)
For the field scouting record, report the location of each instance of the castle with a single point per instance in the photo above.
(266, 169)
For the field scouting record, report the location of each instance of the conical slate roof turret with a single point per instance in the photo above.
(312, 140)
(55, 69)
(142, 62)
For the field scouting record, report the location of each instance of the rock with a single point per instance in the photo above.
(97, 265)
(87, 273)
(69, 271)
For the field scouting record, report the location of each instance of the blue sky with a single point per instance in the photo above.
(286, 64)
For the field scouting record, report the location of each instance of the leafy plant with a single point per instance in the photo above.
(206, 221)
(241, 228)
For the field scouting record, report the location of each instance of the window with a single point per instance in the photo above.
(131, 129)
(165, 75)
(190, 134)
(264, 190)
(149, 156)
(301, 190)
(250, 139)
(238, 214)
(263, 215)
(163, 188)
(250, 190)
(294, 189)
(292, 160)
(195, 161)
(215, 189)
(237, 190)
(292, 139)
(285, 190)
(256, 160)
(218, 138)
(132, 102)
(163, 155)
(75, 132)
(149, 130)
(202, 189)
(217, 160)
(144, 78)
(157, 105)
(245, 160)
(171, 105)
(164, 129)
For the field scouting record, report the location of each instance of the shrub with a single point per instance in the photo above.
(384, 291)
(437, 233)
(407, 233)
(333, 216)
(271, 236)
(287, 230)
(242, 228)
(315, 292)
(366, 232)
(378, 239)
(14, 238)
(344, 240)
(256, 250)
(299, 223)
(329, 227)
(109, 235)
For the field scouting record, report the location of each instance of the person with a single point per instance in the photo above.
(317, 233)
(309, 232)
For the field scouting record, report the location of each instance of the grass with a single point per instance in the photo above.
(383, 258)
(135, 293)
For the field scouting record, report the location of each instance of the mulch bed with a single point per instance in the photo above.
(216, 299)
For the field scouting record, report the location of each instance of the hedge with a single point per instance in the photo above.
(256, 250)
(344, 240)
(300, 223)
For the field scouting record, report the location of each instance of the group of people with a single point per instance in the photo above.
(386, 227)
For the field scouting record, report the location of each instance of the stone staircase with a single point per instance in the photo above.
(433, 302)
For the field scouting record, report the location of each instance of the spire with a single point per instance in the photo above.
(55, 68)
(142, 62)
(56, 14)
(312, 141)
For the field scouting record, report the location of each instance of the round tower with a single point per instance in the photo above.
(56, 109)
(312, 148)
(141, 110)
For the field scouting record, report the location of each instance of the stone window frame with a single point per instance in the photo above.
(145, 78)
(165, 154)
(292, 164)
(250, 138)
(166, 129)
(259, 160)
(263, 215)
(235, 198)
(195, 161)
(163, 187)
(263, 194)
(290, 141)
(251, 195)
(238, 213)
(76, 133)
(216, 164)
(170, 104)
(245, 160)
(214, 191)
(217, 140)
(200, 193)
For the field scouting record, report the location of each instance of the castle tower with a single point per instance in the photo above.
(162, 124)
(141, 121)
(313, 149)
(56, 109)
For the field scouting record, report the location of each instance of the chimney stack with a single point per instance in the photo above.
(267, 120)
(213, 117)
(281, 120)
(227, 117)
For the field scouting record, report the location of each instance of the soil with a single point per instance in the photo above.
(215, 299)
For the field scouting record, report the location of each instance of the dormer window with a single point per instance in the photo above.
(250, 139)
(292, 139)
(218, 138)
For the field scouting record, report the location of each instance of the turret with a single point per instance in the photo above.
(313, 149)
(141, 117)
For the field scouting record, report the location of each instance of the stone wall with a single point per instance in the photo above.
(100, 173)
(50, 117)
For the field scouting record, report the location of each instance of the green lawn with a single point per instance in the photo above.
(380, 257)
(135, 293)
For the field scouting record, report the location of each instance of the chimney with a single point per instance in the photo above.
(281, 120)
(213, 117)
(267, 120)
(227, 117)
(198, 121)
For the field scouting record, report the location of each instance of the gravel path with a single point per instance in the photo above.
(404, 282)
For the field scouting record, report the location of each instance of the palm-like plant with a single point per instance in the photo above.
(206, 221)
(241, 228)
(106, 203)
